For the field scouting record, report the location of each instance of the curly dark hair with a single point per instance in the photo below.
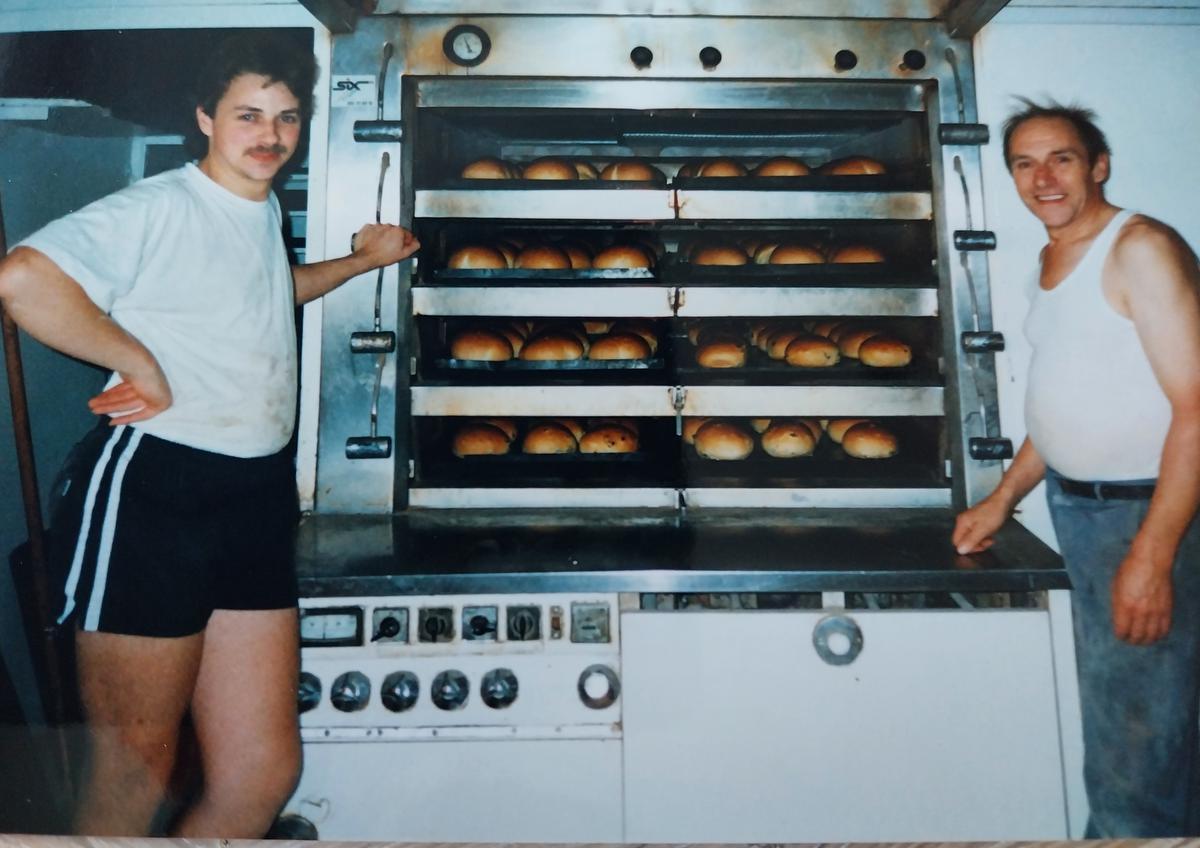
(274, 56)
(1081, 118)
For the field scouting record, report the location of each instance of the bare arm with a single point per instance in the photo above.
(53, 308)
(974, 527)
(1159, 284)
(375, 246)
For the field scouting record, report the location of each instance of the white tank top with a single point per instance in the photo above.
(1093, 409)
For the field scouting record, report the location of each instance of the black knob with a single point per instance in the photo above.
(641, 57)
(400, 691)
(350, 691)
(598, 686)
(522, 624)
(710, 57)
(388, 628)
(844, 60)
(480, 625)
(498, 688)
(450, 690)
(308, 694)
(914, 60)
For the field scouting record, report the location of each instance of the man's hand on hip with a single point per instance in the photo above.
(1141, 599)
(137, 397)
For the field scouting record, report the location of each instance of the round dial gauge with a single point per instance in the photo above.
(466, 45)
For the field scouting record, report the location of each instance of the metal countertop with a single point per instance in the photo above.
(510, 551)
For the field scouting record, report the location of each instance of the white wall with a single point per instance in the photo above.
(1139, 69)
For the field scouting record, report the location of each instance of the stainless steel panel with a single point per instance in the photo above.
(732, 301)
(755, 8)
(547, 204)
(809, 498)
(567, 302)
(765, 401)
(648, 498)
(700, 205)
(542, 400)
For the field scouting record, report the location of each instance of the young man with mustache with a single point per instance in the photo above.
(175, 530)
(1113, 418)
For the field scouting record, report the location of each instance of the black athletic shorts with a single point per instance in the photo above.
(149, 536)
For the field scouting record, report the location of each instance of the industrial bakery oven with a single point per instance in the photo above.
(634, 488)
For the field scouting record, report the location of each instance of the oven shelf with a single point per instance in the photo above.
(639, 204)
(566, 301)
(727, 205)
(740, 302)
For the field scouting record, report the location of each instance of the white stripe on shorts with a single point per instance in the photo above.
(109, 529)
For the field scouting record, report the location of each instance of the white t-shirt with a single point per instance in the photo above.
(200, 276)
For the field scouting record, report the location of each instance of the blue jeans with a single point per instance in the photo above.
(1139, 703)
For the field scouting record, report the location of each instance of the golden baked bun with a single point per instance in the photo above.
(796, 254)
(479, 439)
(596, 327)
(555, 346)
(476, 256)
(884, 352)
(507, 425)
(573, 329)
(721, 354)
(514, 338)
(853, 165)
(850, 341)
(723, 440)
(690, 426)
(760, 425)
(813, 425)
(481, 345)
(827, 326)
(868, 440)
(777, 343)
(811, 351)
(720, 254)
(721, 168)
(787, 439)
(486, 169)
(586, 170)
(548, 437)
(782, 166)
(837, 427)
(509, 252)
(638, 328)
(622, 256)
(630, 424)
(542, 256)
(549, 168)
(857, 254)
(630, 169)
(620, 346)
(611, 438)
(578, 257)
(569, 424)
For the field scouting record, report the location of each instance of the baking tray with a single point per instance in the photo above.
(534, 276)
(847, 274)
(761, 369)
(557, 366)
(900, 181)
(460, 184)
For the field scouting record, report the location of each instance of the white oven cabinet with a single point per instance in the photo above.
(944, 727)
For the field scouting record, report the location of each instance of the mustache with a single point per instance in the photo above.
(277, 149)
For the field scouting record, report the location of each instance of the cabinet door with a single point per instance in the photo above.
(943, 728)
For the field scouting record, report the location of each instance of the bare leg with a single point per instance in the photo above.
(135, 690)
(244, 712)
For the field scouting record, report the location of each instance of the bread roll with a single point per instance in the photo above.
(611, 438)
(549, 168)
(476, 256)
(548, 437)
(858, 254)
(720, 254)
(690, 426)
(721, 168)
(868, 440)
(853, 165)
(813, 425)
(622, 256)
(782, 166)
(576, 255)
(721, 354)
(811, 351)
(796, 254)
(630, 169)
(723, 440)
(481, 346)
(884, 352)
(586, 170)
(479, 439)
(760, 425)
(552, 347)
(507, 425)
(778, 341)
(630, 424)
(514, 338)
(837, 427)
(596, 327)
(569, 424)
(787, 439)
(620, 346)
(509, 252)
(486, 169)
(826, 327)
(638, 328)
(542, 256)
(849, 342)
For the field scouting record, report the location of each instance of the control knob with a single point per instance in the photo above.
(450, 690)
(499, 688)
(598, 687)
(350, 691)
(388, 627)
(400, 691)
(308, 693)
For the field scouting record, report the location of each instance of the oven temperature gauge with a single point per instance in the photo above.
(331, 627)
(466, 45)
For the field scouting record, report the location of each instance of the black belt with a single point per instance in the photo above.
(1107, 491)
